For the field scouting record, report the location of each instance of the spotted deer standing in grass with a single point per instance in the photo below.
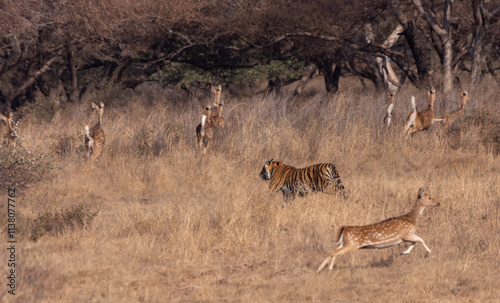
(418, 121)
(10, 133)
(383, 234)
(94, 137)
(218, 106)
(389, 118)
(449, 118)
(205, 130)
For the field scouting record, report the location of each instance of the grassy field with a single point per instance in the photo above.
(154, 220)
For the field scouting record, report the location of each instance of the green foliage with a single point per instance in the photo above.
(288, 70)
(55, 222)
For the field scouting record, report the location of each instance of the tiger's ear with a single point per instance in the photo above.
(267, 162)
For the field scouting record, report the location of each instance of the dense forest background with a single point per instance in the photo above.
(65, 49)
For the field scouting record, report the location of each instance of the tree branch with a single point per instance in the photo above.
(31, 79)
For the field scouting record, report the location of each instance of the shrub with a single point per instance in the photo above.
(20, 167)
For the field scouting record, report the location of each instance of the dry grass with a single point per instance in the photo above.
(173, 225)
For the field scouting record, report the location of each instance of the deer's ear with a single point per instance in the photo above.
(421, 193)
(95, 105)
(101, 105)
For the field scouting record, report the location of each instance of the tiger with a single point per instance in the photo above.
(291, 181)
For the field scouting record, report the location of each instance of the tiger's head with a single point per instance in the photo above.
(268, 169)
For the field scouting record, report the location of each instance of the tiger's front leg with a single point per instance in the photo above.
(288, 195)
(304, 190)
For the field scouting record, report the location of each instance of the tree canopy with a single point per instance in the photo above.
(50, 45)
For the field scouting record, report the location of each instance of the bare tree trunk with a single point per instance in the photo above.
(444, 34)
(74, 92)
(336, 76)
(447, 67)
(418, 54)
(31, 80)
(325, 64)
(388, 75)
(479, 40)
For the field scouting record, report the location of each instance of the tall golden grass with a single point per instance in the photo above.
(173, 225)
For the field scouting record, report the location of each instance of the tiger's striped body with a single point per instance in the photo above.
(291, 181)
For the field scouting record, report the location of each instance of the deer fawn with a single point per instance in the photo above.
(449, 118)
(383, 234)
(216, 116)
(389, 117)
(10, 133)
(94, 138)
(204, 130)
(418, 121)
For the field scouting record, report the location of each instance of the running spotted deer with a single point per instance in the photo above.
(449, 118)
(10, 133)
(94, 137)
(383, 234)
(389, 118)
(418, 121)
(205, 130)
